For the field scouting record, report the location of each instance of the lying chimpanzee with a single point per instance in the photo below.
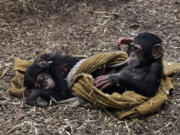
(46, 78)
(141, 72)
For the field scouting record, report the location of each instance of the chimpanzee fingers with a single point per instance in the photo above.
(41, 102)
(106, 85)
(118, 43)
(123, 41)
(100, 79)
(36, 101)
(102, 83)
(31, 102)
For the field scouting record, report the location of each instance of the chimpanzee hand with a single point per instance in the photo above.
(123, 41)
(105, 81)
(32, 97)
(45, 60)
(34, 100)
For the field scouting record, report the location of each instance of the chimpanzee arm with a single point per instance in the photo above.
(147, 86)
(45, 94)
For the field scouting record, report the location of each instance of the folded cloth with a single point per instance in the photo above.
(17, 83)
(128, 104)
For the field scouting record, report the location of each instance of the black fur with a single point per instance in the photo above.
(59, 69)
(144, 79)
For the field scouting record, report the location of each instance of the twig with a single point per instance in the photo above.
(128, 129)
(16, 126)
(168, 36)
(108, 113)
(4, 29)
(105, 43)
(105, 22)
(132, 6)
(105, 29)
(11, 103)
(22, 124)
(4, 72)
(67, 132)
(36, 131)
(162, 128)
(100, 12)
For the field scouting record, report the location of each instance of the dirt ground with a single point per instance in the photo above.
(82, 27)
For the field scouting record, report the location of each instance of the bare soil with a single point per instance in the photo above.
(29, 28)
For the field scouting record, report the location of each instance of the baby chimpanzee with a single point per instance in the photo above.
(142, 71)
(46, 78)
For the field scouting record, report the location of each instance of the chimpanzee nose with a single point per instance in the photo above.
(133, 55)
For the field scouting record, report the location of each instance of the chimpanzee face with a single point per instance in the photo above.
(44, 81)
(135, 53)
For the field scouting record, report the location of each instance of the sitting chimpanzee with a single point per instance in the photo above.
(46, 78)
(142, 71)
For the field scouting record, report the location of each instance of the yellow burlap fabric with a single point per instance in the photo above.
(127, 104)
(17, 83)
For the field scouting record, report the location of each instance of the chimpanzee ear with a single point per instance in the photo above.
(157, 51)
(42, 63)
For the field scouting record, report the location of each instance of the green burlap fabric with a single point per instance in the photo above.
(127, 104)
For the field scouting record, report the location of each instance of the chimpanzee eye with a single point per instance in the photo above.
(40, 77)
(44, 84)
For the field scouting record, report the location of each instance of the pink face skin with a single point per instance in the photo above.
(45, 81)
(133, 60)
(135, 56)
